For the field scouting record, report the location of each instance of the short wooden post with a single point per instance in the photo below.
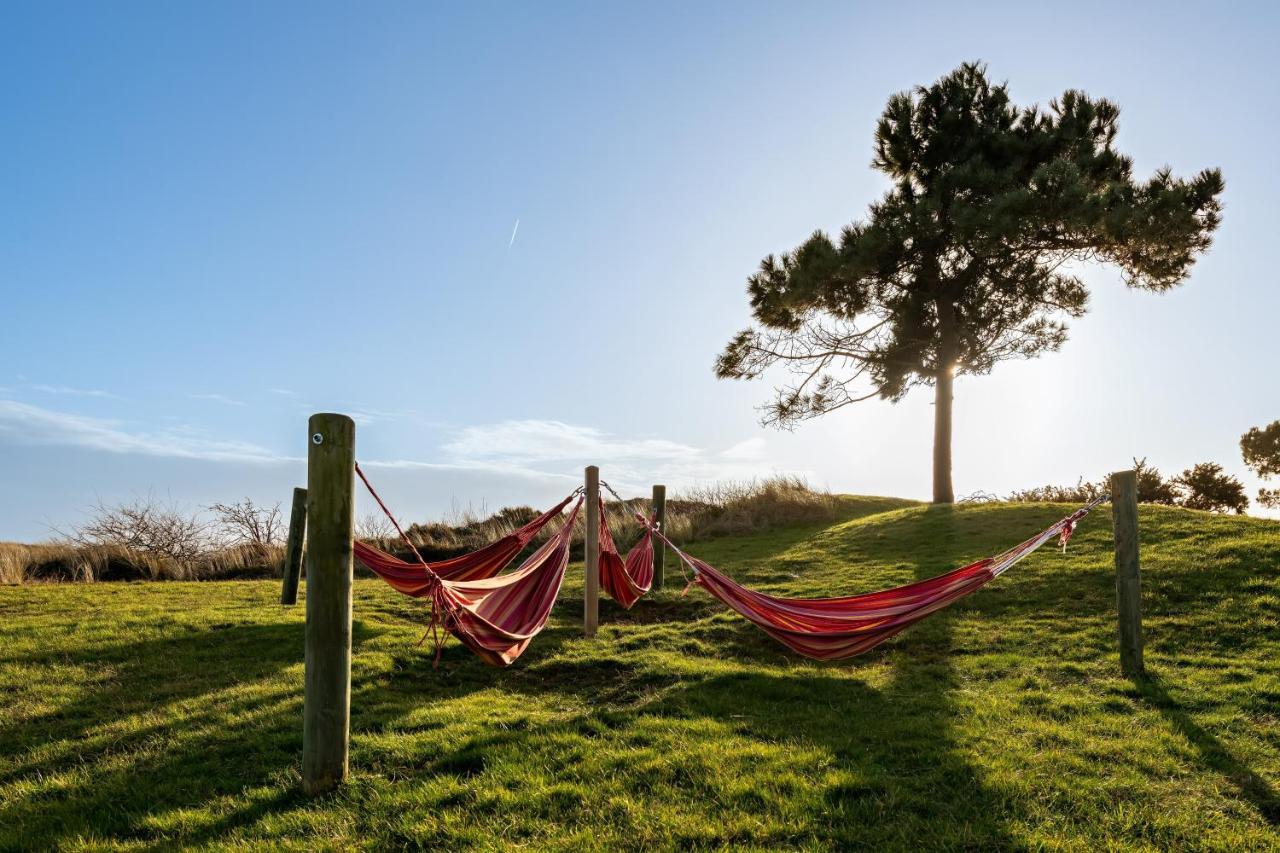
(326, 715)
(293, 548)
(1124, 516)
(591, 554)
(659, 547)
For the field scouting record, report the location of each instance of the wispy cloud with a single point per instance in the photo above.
(473, 467)
(33, 425)
(218, 398)
(75, 392)
(554, 441)
(541, 450)
(750, 450)
(545, 448)
(283, 392)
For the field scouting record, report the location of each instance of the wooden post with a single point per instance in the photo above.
(659, 547)
(591, 554)
(293, 548)
(1124, 516)
(326, 715)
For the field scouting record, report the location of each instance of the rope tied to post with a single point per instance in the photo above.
(439, 602)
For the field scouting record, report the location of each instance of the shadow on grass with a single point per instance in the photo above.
(174, 729)
(897, 771)
(1252, 787)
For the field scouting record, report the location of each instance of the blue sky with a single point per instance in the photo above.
(217, 218)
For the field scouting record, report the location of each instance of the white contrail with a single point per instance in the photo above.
(512, 241)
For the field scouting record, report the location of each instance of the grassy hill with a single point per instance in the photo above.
(151, 714)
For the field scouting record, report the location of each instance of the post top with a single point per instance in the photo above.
(332, 416)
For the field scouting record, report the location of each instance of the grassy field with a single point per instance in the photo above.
(156, 714)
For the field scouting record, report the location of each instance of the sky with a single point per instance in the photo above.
(510, 239)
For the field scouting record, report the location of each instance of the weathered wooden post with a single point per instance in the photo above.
(591, 554)
(1124, 517)
(326, 712)
(293, 547)
(659, 547)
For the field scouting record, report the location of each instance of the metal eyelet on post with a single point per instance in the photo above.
(317, 439)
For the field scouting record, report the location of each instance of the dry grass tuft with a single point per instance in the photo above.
(65, 561)
(734, 508)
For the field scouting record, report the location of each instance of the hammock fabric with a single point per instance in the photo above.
(626, 581)
(497, 617)
(413, 578)
(838, 628)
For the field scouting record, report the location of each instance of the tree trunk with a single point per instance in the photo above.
(942, 491)
(944, 378)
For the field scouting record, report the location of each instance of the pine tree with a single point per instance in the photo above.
(1261, 451)
(965, 262)
(1206, 486)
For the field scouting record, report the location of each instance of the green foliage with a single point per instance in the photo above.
(1081, 493)
(1261, 451)
(960, 264)
(168, 716)
(1153, 488)
(1205, 486)
(966, 261)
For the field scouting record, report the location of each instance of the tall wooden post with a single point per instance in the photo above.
(326, 715)
(293, 548)
(1124, 516)
(659, 547)
(591, 554)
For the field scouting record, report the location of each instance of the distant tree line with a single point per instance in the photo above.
(1205, 486)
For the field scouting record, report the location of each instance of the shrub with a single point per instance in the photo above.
(1081, 492)
(1207, 487)
(1153, 488)
(246, 525)
(147, 527)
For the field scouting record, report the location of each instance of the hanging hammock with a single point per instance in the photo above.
(838, 628)
(412, 579)
(625, 580)
(497, 617)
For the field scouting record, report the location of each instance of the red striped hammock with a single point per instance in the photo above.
(838, 628)
(495, 616)
(625, 580)
(412, 578)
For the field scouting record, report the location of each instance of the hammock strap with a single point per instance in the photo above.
(439, 601)
(685, 560)
(391, 517)
(617, 497)
(651, 524)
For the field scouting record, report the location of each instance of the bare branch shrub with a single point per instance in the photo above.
(374, 527)
(146, 526)
(245, 523)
